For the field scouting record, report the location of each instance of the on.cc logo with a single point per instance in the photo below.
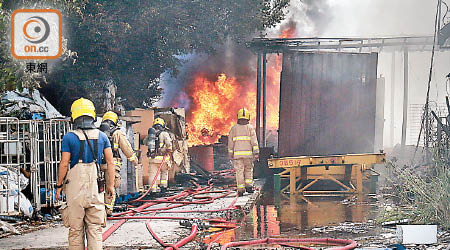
(39, 26)
(36, 34)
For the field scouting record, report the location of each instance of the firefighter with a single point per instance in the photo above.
(243, 149)
(118, 141)
(80, 176)
(159, 145)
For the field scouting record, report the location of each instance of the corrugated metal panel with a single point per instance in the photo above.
(327, 103)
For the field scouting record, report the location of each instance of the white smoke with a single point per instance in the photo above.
(382, 18)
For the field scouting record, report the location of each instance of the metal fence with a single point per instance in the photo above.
(34, 147)
(415, 113)
(9, 161)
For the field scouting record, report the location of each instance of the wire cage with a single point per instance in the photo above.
(29, 149)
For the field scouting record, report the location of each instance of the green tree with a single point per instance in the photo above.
(132, 42)
(13, 73)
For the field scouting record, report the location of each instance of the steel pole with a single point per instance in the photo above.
(258, 97)
(405, 96)
(392, 98)
(264, 79)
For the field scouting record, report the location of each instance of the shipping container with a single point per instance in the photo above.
(327, 103)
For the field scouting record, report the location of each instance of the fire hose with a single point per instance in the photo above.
(200, 194)
(183, 241)
(114, 227)
(195, 194)
(194, 227)
(177, 245)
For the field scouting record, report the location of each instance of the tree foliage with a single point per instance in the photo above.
(133, 41)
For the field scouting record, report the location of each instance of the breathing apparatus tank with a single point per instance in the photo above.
(152, 142)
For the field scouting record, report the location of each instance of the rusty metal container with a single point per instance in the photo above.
(327, 103)
(204, 155)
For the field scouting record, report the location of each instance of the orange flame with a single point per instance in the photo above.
(215, 102)
(274, 64)
(214, 107)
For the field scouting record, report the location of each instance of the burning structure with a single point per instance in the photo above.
(213, 88)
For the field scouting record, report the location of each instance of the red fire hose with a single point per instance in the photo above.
(200, 196)
(165, 218)
(154, 180)
(184, 241)
(349, 244)
(114, 227)
(193, 211)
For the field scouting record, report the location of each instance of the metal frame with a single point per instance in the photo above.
(341, 169)
(8, 161)
(40, 145)
(263, 46)
(336, 44)
(54, 131)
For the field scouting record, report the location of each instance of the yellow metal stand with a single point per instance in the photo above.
(341, 169)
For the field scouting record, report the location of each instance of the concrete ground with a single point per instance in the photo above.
(133, 234)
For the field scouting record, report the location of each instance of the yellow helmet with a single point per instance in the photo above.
(110, 116)
(243, 114)
(82, 107)
(159, 121)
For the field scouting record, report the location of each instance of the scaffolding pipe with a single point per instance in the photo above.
(392, 98)
(405, 97)
(258, 97)
(264, 79)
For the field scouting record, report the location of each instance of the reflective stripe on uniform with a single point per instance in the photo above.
(230, 151)
(133, 157)
(255, 148)
(116, 146)
(249, 181)
(243, 152)
(241, 186)
(163, 181)
(241, 138)
(118, 163)
(111, 205)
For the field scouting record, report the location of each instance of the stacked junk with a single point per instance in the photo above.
(29, 152)
(31, 133)
(142, 120)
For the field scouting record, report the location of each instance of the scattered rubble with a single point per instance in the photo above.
(346, 227)
(11, 183)
(27, 106)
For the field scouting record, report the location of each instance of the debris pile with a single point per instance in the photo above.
(27, 105)
(346, 227)
(423, 189)
(13, 183)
